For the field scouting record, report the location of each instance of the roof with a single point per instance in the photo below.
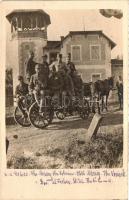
(29, 11)
(52, 44)
(113, 44)
(116, 62)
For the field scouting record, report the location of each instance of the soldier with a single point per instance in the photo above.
(60, 64)
(38, 84)
(30, 70)
(45, 65)
(20, 92)
(119, 86)
(45, 68)
(70, 65)
(68, 87)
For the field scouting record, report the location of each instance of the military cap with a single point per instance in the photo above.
(20, 77)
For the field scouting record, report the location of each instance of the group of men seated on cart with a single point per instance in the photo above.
(56, 78)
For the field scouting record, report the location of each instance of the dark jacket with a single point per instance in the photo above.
(55, 82)
(71, 66)
(21, 89)
(45, 70)
(30, 70)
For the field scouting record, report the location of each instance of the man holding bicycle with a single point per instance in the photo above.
(38, 86)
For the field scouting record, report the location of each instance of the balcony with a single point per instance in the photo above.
(28, 33)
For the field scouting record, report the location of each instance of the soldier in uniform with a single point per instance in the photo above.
(20, 92)
(119, 86)
(38, 85)
(68, 87)
(30, 70)
(60, 64)
(70, 65)
(45, 67)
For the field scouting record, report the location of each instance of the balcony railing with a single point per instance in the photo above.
(30, 33)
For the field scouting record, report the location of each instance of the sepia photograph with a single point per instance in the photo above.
(64, 88)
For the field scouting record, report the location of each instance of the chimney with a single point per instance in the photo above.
(61, 37)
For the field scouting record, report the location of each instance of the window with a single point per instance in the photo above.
(95, 52)
(95, 77)
(76, 52)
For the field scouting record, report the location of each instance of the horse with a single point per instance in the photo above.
(102, 88)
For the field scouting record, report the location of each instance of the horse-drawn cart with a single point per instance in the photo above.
(30, 113)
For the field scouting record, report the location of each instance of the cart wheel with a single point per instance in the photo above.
(60, 115)
(39, 120)
(20, 118)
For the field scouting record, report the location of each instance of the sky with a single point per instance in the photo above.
(63, 21)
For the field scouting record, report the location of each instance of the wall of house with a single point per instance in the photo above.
(85, 42)
(87, 66)
(88, 70)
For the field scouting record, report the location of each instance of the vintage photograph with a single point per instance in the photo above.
(64, 88)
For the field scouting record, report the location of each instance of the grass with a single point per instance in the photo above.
(105, 151)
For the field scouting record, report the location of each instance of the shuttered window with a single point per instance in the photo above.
(95, 52)
(76, 53)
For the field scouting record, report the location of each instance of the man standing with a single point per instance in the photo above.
(38, 84)
(60, 64)
(45, 68)
(119, 86)
(30, 70)
(70, 65)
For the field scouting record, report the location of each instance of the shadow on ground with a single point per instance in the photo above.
(108, 119)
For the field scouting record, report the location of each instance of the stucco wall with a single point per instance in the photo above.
(87, 72)
(87, 66)
(85, 43)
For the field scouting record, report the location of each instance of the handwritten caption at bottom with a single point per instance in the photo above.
(68, 177)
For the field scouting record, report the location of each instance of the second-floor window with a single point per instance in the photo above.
(95, 52)
(76, 52)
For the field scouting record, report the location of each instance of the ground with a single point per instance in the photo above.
(64, 144)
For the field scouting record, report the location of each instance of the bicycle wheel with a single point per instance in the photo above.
(20, 118)
(37, 119)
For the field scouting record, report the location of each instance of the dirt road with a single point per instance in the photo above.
(58, 136)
